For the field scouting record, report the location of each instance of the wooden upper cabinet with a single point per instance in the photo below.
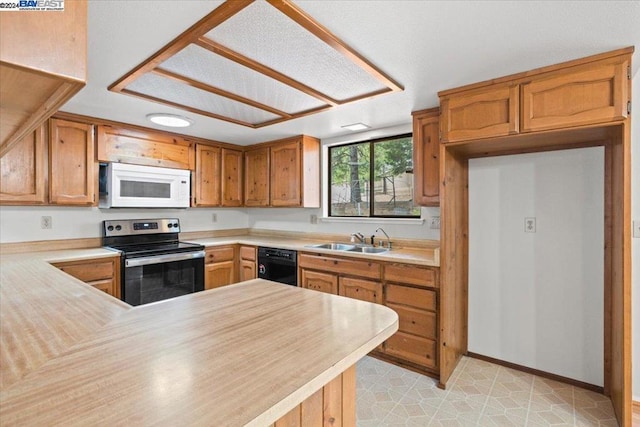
(426, 157)
(140, 147)
(481, 113)
(73, 171)
(256, 177)
(594, 93)
(43, 63)
(231, 177)
(583, 92)
(286, 185)
(295, 172)
(24, 171)
(206, 179)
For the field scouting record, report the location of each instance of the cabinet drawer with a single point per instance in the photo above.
(414, 349)
(223, 253)
(89, 271)
(415, 275)
(340, 265)
(412, 297)
(248, 253)
(416, 322)
(323, 282)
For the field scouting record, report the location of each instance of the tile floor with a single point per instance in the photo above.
(479, 394)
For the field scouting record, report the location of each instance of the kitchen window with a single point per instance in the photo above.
(372, 179)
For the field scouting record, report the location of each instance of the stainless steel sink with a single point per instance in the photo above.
(334, 246)
(368, 250)
(349, 248)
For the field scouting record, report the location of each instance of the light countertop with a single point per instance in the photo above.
(419, 256)
(240, 354)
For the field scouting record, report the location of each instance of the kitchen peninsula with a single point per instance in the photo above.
(247, 354)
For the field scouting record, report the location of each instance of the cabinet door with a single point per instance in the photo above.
(591, 94)
(231, 177)
(481, 113)
(247, 270)
(23, 171)
(219, 274)
(286, 175)
(323, 282)
(73, 175)
(256, 177)
(364, 290)
(426, 159)
(107, 286)
(207, 176)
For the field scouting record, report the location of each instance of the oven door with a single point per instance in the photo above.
(159, 277)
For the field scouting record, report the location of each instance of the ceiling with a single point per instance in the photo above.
(426, 46)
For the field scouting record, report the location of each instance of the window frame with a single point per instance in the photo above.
(370, 143)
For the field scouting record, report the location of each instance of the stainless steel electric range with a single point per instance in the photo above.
(155, 265)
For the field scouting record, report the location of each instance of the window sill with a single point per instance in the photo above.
(366, 220)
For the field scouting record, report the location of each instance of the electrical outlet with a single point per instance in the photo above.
(214, 217)
(45, 222)
(434, 222)
(530, 225)
(636, 229)
(313, 219)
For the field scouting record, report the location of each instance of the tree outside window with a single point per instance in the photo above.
(372, 179)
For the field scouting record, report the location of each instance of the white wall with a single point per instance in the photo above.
(22, 223)
(300, 220)
(536, 299)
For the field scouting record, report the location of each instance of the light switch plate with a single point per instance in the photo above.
(636, 229)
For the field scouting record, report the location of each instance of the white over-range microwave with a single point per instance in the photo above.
(134, 186)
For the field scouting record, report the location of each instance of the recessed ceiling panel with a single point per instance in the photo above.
(264, 34)
(256, 63)
(179, 93)
(204, 66)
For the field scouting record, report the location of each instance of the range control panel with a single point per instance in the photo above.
(126, 227)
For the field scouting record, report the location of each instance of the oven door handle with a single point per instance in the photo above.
(159, 259)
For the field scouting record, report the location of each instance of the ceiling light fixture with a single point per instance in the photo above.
(356, 126)
(169, 120)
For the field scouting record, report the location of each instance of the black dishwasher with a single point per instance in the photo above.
(279, 265)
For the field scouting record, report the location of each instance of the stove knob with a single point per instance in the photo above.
(118, 227)
(175, 225)
(110, 228)
(169, 225)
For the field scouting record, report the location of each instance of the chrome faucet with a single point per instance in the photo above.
(358, 236)
(388, 238)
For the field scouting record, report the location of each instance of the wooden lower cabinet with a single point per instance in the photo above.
(318, 281)
(410, 290)
(332, 405)
(364, 290)
(102, 273)
(415, 299)
(220, 266)
(247, 267)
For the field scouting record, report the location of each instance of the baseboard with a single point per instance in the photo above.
(539, 373)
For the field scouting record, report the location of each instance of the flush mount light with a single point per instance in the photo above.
(169, 120)
(356, 126)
